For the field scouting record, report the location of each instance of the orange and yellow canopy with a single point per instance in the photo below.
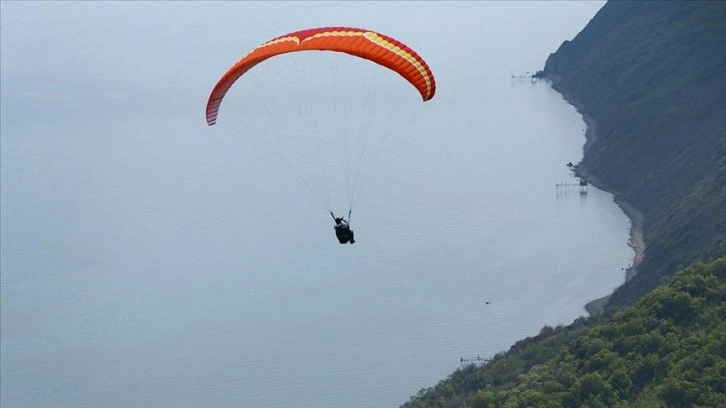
(370, 45)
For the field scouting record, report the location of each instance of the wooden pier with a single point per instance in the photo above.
(476, 361)
(582, 186)
(528, 77)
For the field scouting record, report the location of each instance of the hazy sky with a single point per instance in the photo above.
(142, 55)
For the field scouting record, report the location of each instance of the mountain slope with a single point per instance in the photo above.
(651, 74)
(666, 350)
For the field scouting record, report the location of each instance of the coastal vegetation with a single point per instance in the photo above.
(648, 77)
(666, 350)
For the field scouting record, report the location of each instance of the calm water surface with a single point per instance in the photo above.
(148, 260)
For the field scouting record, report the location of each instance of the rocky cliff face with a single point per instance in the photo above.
(652, 75)
(650, 78)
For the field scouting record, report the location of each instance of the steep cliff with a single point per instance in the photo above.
(652, 75)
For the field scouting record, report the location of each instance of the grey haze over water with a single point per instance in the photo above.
(150, 260)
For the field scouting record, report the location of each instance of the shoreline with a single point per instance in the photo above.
(636, 241)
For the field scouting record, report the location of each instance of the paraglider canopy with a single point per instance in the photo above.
(366, 44)
(330, 127)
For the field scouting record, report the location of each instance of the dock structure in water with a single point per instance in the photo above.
(476, 361)
(582, 186)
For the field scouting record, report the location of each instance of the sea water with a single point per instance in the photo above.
(149, 260)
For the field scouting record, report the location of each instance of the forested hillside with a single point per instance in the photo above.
(651, 76)
(666, 350)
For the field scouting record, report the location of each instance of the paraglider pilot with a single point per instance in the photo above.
(342, 230)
